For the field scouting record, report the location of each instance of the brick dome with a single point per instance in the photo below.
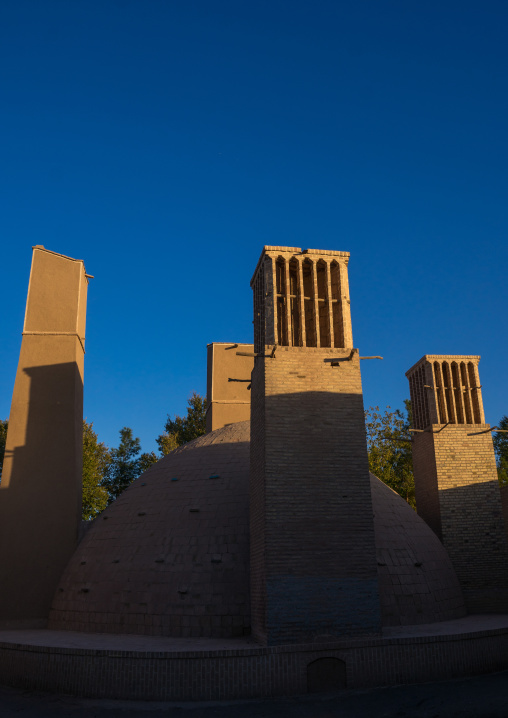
(170, 556)
(417, 582)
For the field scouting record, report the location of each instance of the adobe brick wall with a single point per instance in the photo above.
(457, 493)
(426, 481)
(313, 564)
(301, 298)
(40, 493)
(250, 672)
(152, 567)
(228, 384)
(457, 490)
(504, 505)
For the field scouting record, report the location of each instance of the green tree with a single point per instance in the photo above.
(180, 430)
(124, 466)
(389, 450)
(4, 424)
(146, 460)
(501, 449)
(96, 463)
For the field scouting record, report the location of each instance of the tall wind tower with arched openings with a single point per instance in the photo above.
(313, 563)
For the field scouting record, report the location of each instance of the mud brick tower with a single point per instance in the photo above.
(40, 492)
(457, 491)
(228, 384)
(313, 565)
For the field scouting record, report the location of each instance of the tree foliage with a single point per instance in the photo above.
(389, 450)
(146, 460)
(125, 465)
(106, 472)
(501, 449)
(180, 430)
(96, 464)
(4, 424)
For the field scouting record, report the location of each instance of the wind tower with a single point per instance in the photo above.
(313, 561)
(40, 491)
(456, 485)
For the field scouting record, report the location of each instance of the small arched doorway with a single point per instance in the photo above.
(326, 674)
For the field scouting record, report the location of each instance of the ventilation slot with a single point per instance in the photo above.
(323, 304)
(440, 396)
(280, 281)
(294, 298)
(475, 393)
(457, 393)
(467, 393)
(308, 299)
(419, 399)
(448, 392)
(259, 311)
(338, 329)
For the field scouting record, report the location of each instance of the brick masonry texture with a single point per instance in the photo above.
(249, 672)
(40, 492)
(170, 557)
(457, 493)
(301, 298)
(228, 384)
(339, 565)
(457, 490)
(134, 583)
(445, 389)
(504, 504)
(417, 582)
(311, 511)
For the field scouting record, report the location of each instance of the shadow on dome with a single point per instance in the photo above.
(170, 556)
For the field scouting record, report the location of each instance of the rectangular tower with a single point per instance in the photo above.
(457, 490)
(40, 491)
(313, 563)
(228, 384)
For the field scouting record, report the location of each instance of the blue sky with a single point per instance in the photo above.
(166, 142)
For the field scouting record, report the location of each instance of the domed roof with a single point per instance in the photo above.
(170, 556)
(417, 582)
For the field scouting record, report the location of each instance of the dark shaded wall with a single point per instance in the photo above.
(313, 559)
(457, 494)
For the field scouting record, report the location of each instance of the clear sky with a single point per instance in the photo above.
(166, 141)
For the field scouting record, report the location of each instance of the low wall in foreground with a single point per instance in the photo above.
(254, 671)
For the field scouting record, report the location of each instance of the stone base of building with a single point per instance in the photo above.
(144, 668)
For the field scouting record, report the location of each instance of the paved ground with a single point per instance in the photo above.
(480, 697)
